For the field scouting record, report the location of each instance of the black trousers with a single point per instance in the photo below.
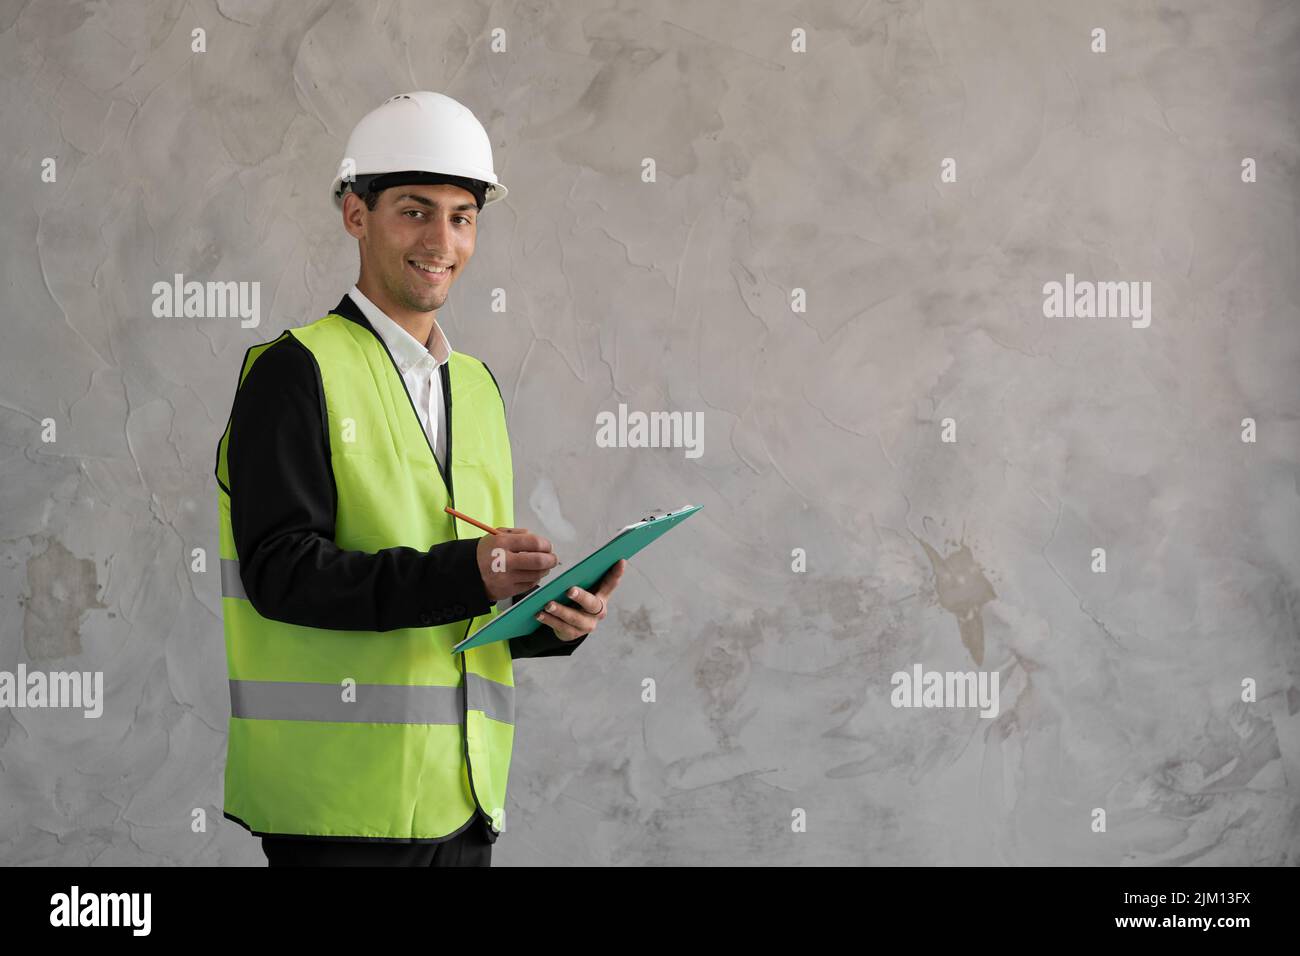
(471, 847)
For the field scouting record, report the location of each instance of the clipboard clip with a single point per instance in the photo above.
(660, 513)
(654, 515)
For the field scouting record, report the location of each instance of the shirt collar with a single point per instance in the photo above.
(406, 348)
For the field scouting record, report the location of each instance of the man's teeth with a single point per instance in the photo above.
(435, 270)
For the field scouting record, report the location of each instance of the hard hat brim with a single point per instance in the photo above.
(495, 191)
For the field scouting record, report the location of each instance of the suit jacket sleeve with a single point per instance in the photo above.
(283, 503)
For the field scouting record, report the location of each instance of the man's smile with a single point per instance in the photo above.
(432, 273)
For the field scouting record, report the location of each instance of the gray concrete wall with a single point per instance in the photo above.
(921, 317)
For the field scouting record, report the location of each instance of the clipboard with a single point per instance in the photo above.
(521, 618)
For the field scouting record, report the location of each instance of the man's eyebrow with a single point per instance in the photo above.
(429, 202)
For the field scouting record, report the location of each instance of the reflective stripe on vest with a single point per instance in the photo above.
(426, 743)
(232, 585)
(373, 704)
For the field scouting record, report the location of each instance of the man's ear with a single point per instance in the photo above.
(354, 215)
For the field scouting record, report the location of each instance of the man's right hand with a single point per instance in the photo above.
(522, 560)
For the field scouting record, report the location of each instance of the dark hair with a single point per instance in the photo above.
(369, 187)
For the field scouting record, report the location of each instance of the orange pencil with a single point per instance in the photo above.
(478, 524)
(464, 517)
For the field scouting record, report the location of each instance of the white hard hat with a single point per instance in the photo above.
(419, 132)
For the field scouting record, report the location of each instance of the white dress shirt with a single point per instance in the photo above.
(419, 365)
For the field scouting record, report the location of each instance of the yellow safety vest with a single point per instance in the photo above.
(364, 733)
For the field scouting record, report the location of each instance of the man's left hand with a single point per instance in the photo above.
(571, 623)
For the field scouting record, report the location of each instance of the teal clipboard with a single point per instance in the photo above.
(521, 618)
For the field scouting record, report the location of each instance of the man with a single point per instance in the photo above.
(356, 736)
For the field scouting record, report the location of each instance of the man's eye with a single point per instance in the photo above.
(416, 211)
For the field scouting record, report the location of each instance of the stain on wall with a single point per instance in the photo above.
(962, 590)
(62, 588)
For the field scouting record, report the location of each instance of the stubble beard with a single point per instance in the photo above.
(409, 297)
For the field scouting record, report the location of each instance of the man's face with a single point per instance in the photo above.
(413, 227)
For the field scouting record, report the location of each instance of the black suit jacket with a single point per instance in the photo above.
(283, 520)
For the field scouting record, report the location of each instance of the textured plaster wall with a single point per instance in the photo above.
(775, 171)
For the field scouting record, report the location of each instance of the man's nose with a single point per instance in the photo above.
(437, 235)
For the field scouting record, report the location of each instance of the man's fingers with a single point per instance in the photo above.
(587, 601)
(596, 603)
(531, 560)
(571, 623)
(560, 626)
(611, 578)
(527, 541)
(520, 539)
